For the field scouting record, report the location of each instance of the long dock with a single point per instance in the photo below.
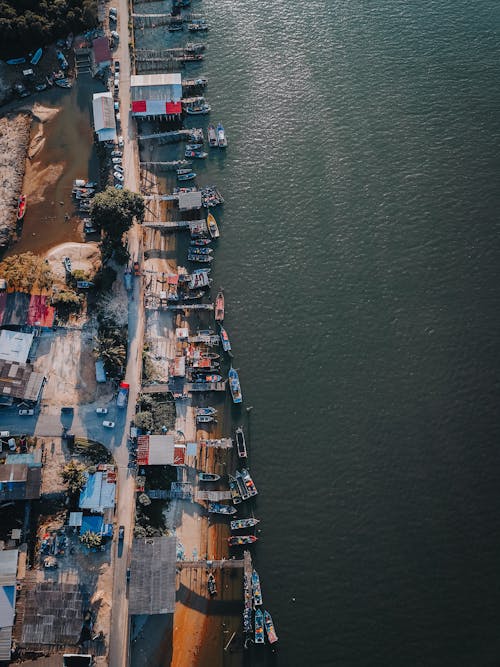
(230, 563)
(173, 135)
(191, 306)
(205, 386)
(199, 226)
(156, 20)
(212, 496)
(221, 443)
(166, 166)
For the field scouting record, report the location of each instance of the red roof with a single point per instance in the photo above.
(139, 106)
(102, 52)
(173, 107)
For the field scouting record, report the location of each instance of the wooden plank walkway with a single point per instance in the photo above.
(191, 306)
(166, 166)
(174, 135)
(206, 386)
(221, 443)
(212, 496)
(155, 389)
(231, 563)
(199, 226)
(209, 340)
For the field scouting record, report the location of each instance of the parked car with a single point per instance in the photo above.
(117, 65)
(117, 106)
(120, 141)
(26, 413)
(107, 424)
(116, 153)
(121, 533)
(102, 411)
(128, 574)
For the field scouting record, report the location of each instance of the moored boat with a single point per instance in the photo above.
(234, 385)
(240, 443)
(205, 411)
(239, 540)
(200, 250)
(21, 207)
(198, 109)
(67, 264)
(36, 58)
(208, 477)
(238, 524)
(218, 508)
(259, 627)
(224, 339)
(270, 631)
(186, 177)
(212, 136)
(199, 155)
(212, 587)
(256, 589)
(219, 306)
(246, 484)
(200, 242)
(221, 136)
(213, 227)
(205, 419)
(63, 83)
(204, 259)
(234, 489)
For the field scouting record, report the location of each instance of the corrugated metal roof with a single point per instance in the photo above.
(5, 643)
(98, 493)
(104, 113)
(156, 87)
(167, 79)
(152, 576)
(15, 346)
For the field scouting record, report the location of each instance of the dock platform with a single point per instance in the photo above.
(212, 496)
(230, 563)
(191, 306)
(205, 386)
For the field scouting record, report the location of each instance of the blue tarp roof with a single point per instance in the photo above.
(98, 493)
(93, 524)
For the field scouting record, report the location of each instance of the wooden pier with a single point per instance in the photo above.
(194, 83)
(191, 306)
(156, 389)
(174, 135)
(220, 443)
(230, 563)
(156, 20)
(208, 340)
(205, 386)
(198, 226)
(212, 496)
(166, 166)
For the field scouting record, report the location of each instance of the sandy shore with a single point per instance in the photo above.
(83, 256)
(14, 139)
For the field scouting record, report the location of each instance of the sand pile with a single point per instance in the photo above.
(84, 256)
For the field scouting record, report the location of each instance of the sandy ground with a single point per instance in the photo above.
(14, 138)
(66, 358)
(83, 256)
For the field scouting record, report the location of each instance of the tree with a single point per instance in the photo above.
(144, 420)
(91, 540)
(144, 499)
(66, 303)
(73, 475)
(26, 272)
(114, 212)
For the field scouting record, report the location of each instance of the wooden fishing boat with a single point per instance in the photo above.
(240, 443)
(270, 631)
(208, 477)
(21, 207)
(219, 306)
(218, 508)
(240, 540)
(259, 627)
(212, 587)
(221, 136)
(226, 343)
(186, 177)
(212, 136)
(256, 589)
(213, 227)
(238, 524)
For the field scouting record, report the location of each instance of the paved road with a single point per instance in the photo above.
(118, 640)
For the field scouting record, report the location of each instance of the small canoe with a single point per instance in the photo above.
(186, 177)
(21, 207)
(15, 61)
(219, 306)
(208, 477)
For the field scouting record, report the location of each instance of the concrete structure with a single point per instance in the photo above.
(104, 116)
(19, 381)
(154, 450)
(8, 575)
(189, 200)
(156, 95)
(101, 54)
(15, 346)
(152, 576)
(99, 492)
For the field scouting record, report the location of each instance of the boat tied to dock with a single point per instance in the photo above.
(240, 540)
(241, 447)
(259, 627)
(256, 589)
(218, 508)
(234, 385)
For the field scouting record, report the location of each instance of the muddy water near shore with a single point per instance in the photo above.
(68, 152)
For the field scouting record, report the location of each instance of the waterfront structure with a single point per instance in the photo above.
(155, 450)
(152, 576)
(20, 382)
(20, 481)
(156, 95)
(99, 491)
(104, 116)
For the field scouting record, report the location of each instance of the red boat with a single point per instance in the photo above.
(219, 306)
(239, 540)
(21, 207)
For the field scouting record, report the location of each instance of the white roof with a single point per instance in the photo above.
(156, 87)
(15, 346)
(8, 574)
(104, 116)
(75, 518)
(168, 79)
(161, 450)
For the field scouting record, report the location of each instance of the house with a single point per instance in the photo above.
(19, 381)
(156, 95)
(15, 346)
(160, 450)
(99, 491)
(20, 481)
(104, 116)
(101, 54)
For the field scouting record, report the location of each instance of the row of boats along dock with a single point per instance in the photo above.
(203, 362)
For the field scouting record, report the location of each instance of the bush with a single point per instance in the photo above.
(73, 475)
(104, 279)
(91, 540)
(114, 211)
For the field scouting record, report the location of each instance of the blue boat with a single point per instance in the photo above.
(15, 61)
(36, 58)
(226, 344)
(234, 385)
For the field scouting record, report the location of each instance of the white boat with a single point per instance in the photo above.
(221, 136)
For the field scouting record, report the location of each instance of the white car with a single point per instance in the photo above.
(102, 411)
(117, 106)
(118, 176)
(26, 413)
(120, 141)
(108, 424)
(118, 168)
(116, 153)
(116, 160)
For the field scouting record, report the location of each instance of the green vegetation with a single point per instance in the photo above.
(91, 540)
(26, 272)
(73, 475)
(104, 279)
(112, 349)
(27, 24)
(156, 412)
(114, 211)
(91, 450)
(66, 303)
